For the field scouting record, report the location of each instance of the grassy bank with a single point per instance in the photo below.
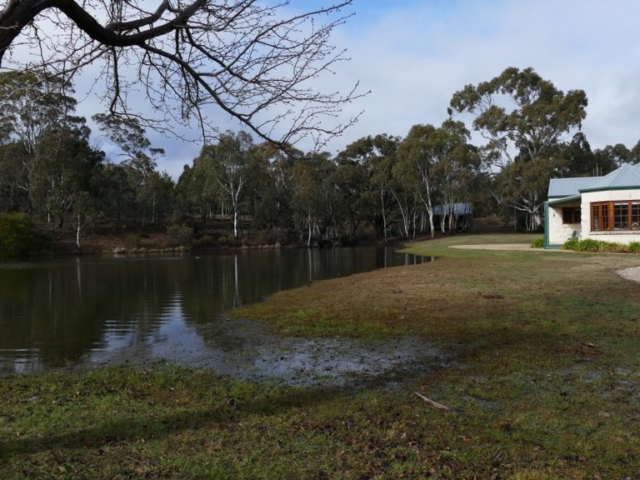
(546, 385)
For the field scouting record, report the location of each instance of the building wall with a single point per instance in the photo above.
(623, 237)
(559, 232)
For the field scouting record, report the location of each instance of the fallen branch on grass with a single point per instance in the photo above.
(433, 403)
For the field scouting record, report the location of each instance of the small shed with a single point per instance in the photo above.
(460, 214)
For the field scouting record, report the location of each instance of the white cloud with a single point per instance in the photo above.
(415, 54)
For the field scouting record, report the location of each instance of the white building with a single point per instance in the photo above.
(602, 208)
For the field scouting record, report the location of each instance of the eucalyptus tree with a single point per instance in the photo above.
(62, 168)
(199, 188)
(255, 61)
(226, 168)
(160, 193)
(32, 103)
(14, 177)
(456, 164)
(523, 118)
(315, 200)
(372, 158)
(380, 163)
(357, 202)
(612, 156)
(182, 203)
(271, 185)
(416, 159)
(580, 160)
(404, 186)
(138, 158)
(114, 196)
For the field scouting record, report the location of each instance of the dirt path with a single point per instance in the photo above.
(632, 273)
(503, 246)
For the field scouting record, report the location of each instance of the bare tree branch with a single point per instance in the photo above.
(256, 61)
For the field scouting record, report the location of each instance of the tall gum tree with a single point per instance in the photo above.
(32, 105)
(139, 158)
(255, 60)
(230, 166)
(376, 155)
(416, 159)
(525, 119)
(456, 165)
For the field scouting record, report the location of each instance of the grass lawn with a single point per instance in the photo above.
(545, 385)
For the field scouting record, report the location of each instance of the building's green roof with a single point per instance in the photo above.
(627, 176)
(561, 200)
(564, 189)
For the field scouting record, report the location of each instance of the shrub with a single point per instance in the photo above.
(180, 234)
(17, 235)
(633, 247)
(538, 243)
(612, 247)
(571, 244)
(591, 245)
(204, 240)
(263, 238)
(229, 241)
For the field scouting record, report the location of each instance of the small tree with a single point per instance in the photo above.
(17, 235)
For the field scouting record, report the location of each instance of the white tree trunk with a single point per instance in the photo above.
(384, 215)
(78, 229)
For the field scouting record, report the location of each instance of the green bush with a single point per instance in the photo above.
(17, 235)
(229, 241)
(591, 245)
(611, 247)
(204, 240)
(571, 244)
(633, 247)
(538, 243)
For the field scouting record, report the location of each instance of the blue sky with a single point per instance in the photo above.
(415, 54)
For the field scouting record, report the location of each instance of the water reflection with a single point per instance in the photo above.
(82, 310)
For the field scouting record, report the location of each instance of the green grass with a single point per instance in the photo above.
(545, 385)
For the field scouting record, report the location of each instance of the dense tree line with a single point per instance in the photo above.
(388, 185)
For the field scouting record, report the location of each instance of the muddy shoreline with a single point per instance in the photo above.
(244, 349)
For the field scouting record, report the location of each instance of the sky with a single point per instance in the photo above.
(413, 55)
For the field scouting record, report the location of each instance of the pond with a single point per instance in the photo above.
(95, 311)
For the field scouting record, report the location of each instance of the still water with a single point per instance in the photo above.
(77, 311)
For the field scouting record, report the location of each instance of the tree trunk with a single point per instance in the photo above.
(78, 228)
(235, 222)
(153, 209)
(384, 216)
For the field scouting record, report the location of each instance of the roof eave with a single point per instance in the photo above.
(561, 200)
(603, 189)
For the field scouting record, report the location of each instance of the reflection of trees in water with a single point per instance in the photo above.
(61, 310)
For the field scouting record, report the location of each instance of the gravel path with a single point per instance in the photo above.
(506, 246)
(632, 273)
